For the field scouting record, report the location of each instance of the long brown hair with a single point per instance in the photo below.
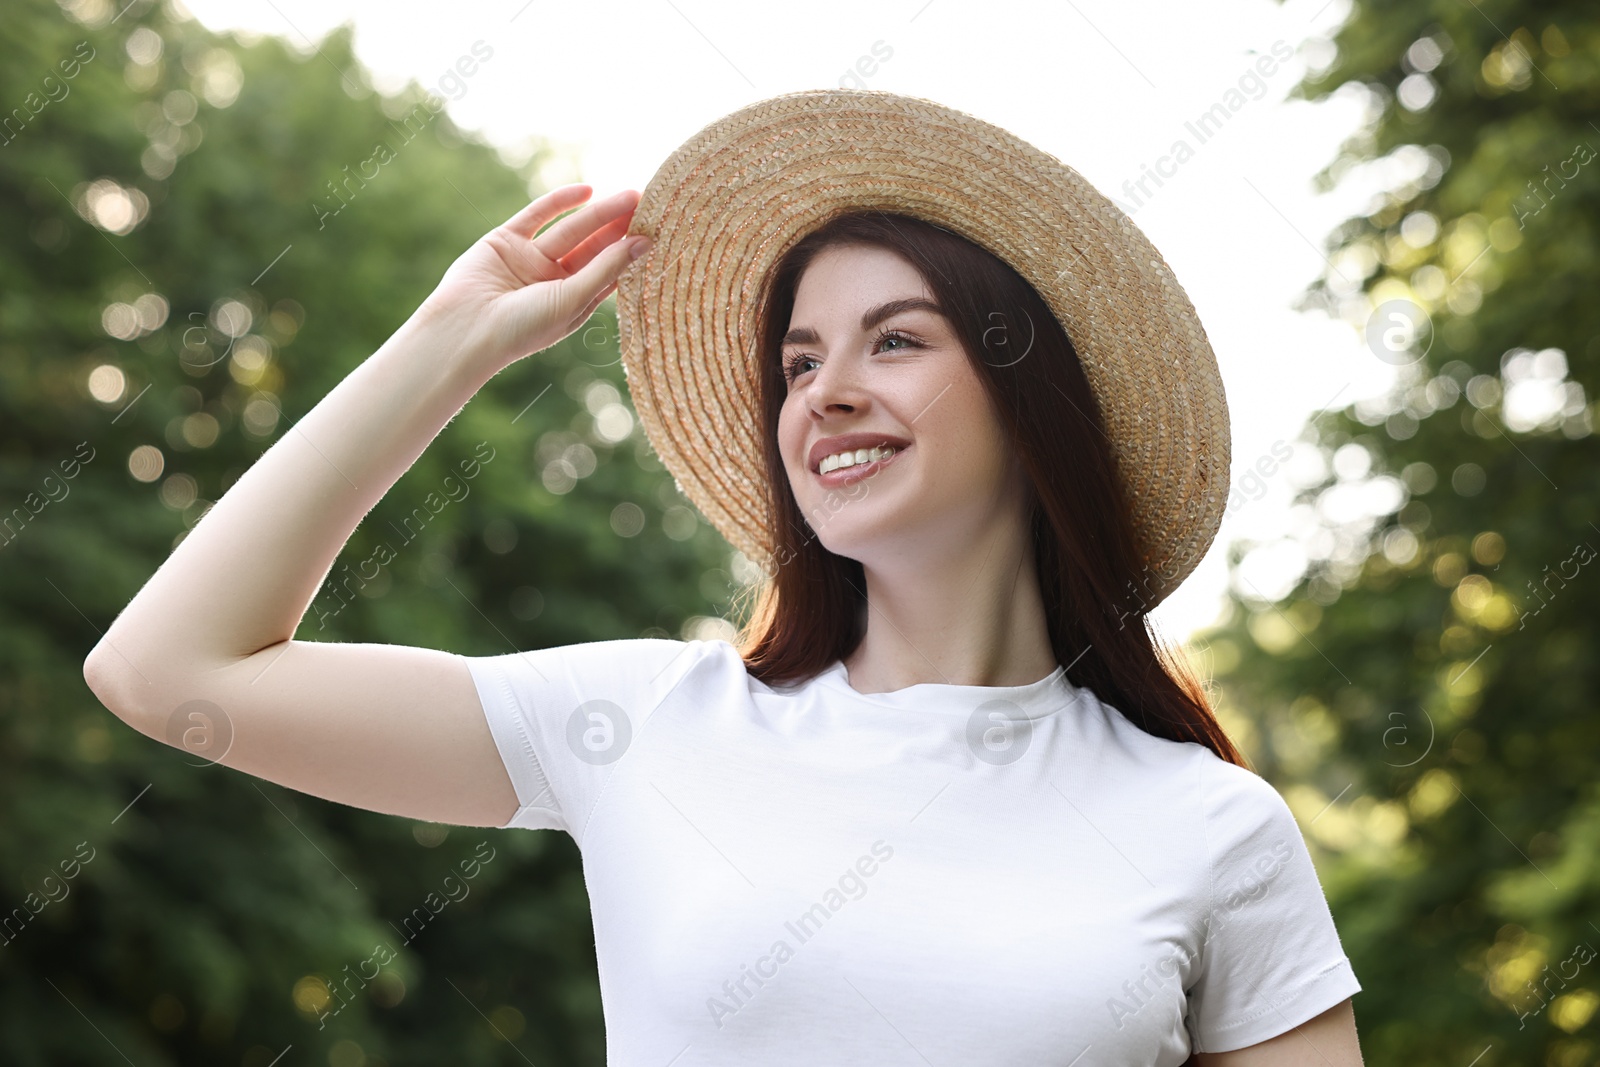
(810, 609)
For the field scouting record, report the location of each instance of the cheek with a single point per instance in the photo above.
(961, 426)
(790, 429)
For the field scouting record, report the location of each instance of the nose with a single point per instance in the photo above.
(835, 388)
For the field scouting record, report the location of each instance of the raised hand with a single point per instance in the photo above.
(518, 290)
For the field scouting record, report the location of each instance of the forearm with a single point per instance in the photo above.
(244, 576)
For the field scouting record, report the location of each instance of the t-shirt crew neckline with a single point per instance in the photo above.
(1035, 699)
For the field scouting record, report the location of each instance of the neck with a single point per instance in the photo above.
(979, 620)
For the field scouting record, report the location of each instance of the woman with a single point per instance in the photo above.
(943, 803)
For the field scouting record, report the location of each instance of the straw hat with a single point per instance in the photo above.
(733, 198)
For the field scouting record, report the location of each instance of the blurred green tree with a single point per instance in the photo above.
(199, 236)
(1423, 696)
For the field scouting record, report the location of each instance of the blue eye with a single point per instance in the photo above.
(789, 364)
(893, 335)
(792, 362)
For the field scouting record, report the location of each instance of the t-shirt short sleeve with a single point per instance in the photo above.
(563, 717)
(1271, 957)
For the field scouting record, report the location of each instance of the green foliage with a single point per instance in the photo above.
(176, 290)
(1426, 696)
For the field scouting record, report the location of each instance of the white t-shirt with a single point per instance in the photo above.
(942, 874)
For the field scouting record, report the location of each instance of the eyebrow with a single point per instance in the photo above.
(805, 335)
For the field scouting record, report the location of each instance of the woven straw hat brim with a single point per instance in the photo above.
(728, 203)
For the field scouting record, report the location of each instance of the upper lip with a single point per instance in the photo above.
(852, 442)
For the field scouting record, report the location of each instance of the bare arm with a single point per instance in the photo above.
(385, 727)
(1326, 1040)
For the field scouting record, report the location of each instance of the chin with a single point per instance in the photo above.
(858, 540)
(850, 522)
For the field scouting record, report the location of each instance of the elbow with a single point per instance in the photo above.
(96, 673)
(112, 679)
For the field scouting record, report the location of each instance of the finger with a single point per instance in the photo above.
(560, 239)
(596, 302)
(579, 257)
(600, 273)
(526, 223)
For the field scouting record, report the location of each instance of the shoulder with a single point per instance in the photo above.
(1231, 805)
(1251, 835)
(612, 654)
(1231, 793)
(1178, 763)
(637, 670)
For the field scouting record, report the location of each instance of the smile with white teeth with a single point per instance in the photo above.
(841, 460)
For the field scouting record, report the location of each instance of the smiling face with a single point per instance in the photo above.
(902, 378)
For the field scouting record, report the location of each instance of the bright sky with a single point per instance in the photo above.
(1106, 87)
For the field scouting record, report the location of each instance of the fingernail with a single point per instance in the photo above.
(641, 245)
